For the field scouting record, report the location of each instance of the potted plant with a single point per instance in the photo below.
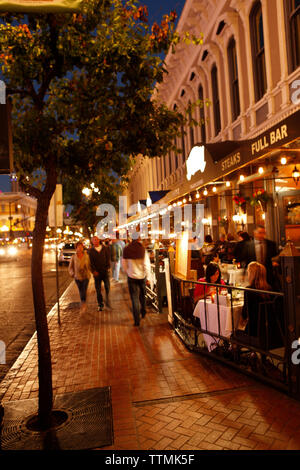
(240, 202)
(260, 198)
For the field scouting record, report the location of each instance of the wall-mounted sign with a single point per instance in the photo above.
(40, 6)
(196, 161)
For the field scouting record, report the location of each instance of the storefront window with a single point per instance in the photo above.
(291, 206)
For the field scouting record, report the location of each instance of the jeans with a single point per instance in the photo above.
(115, 265)
(82, 287)
(137, 291)
(98, 283)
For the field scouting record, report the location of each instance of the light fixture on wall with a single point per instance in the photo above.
(296, 175)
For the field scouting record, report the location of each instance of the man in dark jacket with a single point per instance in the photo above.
(261, 250)
(100, 266)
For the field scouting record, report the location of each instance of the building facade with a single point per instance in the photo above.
(246, 74)
(17, 215)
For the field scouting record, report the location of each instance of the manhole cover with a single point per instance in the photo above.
(88, 424)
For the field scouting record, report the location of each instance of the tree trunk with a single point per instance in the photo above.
(44, 353)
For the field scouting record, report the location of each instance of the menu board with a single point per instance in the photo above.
(183, 256)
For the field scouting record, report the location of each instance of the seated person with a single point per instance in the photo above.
(213, 275)
(257, 276)
(208, 247)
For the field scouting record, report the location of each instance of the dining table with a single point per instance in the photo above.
(217, 317)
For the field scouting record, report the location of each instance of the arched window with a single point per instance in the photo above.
(192, 138)
(216, 99)
(182, 144)
(170, 163)
(234, 79)
(258, 51)
(293, 32)
(202, 114)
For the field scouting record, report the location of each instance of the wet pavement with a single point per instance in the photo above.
(164, 397)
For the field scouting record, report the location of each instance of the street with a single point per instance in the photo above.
(17, 323)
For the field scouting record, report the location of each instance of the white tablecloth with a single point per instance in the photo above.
(210, 322)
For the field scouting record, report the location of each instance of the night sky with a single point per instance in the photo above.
(156, 10)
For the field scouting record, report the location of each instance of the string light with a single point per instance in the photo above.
(227, 184)
(205, 192)
(261, 170)
(242, 177)
(283, 160)
(214, 189)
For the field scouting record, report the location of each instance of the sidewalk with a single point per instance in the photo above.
(163, 396)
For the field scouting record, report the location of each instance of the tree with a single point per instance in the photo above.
(81, 88)
(104, 188)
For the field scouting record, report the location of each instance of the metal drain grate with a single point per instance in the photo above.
(89, 424)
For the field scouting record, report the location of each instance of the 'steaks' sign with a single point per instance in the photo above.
(41, 6)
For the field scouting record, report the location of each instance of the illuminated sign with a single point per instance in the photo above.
(195, 162)
(269, 139)
(231, 161)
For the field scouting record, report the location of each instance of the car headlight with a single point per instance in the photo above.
(12, 251)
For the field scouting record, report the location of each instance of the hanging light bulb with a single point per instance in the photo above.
(227, 184)
(214, 189)
(261, 170)
(242, 177)
(190, 198)
(283, 160)
(184, 201)
(205, 192)
(197, 195)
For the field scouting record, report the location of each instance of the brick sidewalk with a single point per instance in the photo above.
(163, 396)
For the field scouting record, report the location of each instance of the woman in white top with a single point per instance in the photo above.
(80, 270)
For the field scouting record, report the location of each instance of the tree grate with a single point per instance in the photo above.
(89, 423)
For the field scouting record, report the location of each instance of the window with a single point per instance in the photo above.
(234, 80)
(202, 114)
(170, 163)
(192, 137)
(183, 144)
(216, 100)
(293, 32)
(258, 51)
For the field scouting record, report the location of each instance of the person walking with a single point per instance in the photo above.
(100, 266)
(80, 270)
(136, 264)
(115, 257)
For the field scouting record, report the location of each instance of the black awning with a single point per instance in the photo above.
(157, 195)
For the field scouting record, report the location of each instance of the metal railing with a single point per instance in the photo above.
(246, 329)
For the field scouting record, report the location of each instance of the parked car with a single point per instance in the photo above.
(66, 253)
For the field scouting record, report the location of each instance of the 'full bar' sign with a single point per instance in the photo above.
(273, 137)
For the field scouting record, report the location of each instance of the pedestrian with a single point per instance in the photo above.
(136, 264)
(100, 265)
(80, 270)
(115, 257)
(244, 237)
